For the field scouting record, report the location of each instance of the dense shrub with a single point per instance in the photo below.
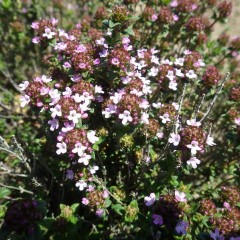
(130, 126)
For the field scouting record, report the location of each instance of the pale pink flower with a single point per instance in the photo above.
(145, 118)
(150, 200)
(115, 61)
(193, 161)
(174, 139)
(179, 61)
(126, 117)
(165, 118)
(180, 196)
(24, 100)
(194, 147)
(193, 122)
(85, 201)
(23, 85)
(79, 149)
(84, 159)
(48, 33)
(36, 40)
(237, 121)
(191, 74)
(56, 111)
(74, 116)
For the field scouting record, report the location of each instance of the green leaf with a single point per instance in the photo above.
(6, 3)
(74, 207)
(129, 31)
(118, 208)
(4, 192)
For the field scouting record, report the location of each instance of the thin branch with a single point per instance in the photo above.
(199, 106)
(103, 186)
(7, 75)
(214, 99)
(21, 189)
(180, 107)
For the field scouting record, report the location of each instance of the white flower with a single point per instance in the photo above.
(116, 97)
(23, 85)
(173, 85)
(144, 118)
(91, 137)
(48, 33)
(56, 111)
(84, 159)
(46, 79)
(179, 73)
(193, 162)
(79, 149)
(179, 61)
(54, 124)
(74, 116)
(200, 63)
(176, 105)
(194, 147)
(68, 126)
(167, 61)
(67, 92)
(55, 96)
(98, 89)
(126, 79)
(62, 148)
(150, 200)
(165, 118)
(180, 196)
(126, 117)
(157, 105)
(191, 74)
(81, 185)
(93, 169)
(144, 104)
(146, 89)
(153, 72)
(107, 113)
(210, 141)
(193, 122)
(155, 60)
(24, 100)
(170, 75)
(174, 139)
(100, 41)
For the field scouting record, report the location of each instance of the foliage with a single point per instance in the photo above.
(130, 126)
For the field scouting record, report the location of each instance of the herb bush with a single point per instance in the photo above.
(130, 126)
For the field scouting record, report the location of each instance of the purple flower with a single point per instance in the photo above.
(157, 219)
(99, 212)
(216, 235)
(181, 227)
